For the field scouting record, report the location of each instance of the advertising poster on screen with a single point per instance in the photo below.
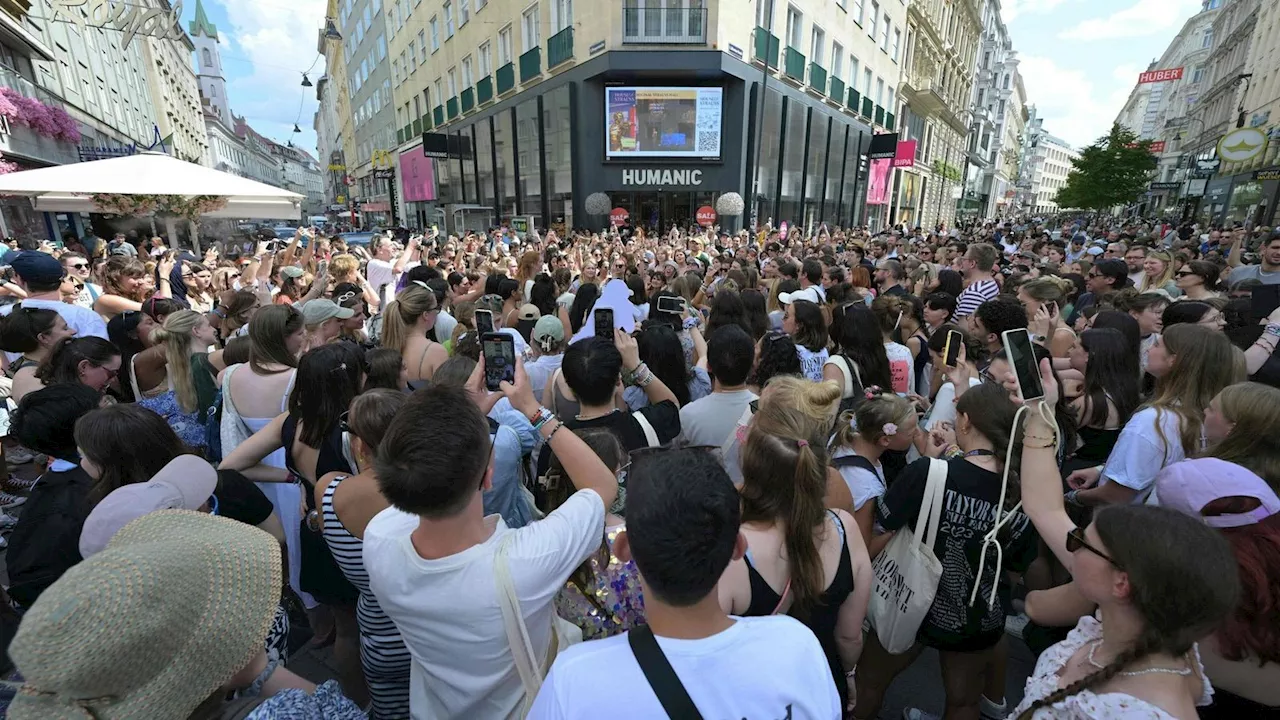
(878, 181)
(668, 122)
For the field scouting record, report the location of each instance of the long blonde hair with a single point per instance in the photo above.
(402, 314)
(1149, 285)
(176, 335)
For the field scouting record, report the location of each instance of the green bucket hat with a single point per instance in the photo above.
(177, 604)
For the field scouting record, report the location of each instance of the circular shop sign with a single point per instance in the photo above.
(1242, 144)
(618, 216)
(706, 216)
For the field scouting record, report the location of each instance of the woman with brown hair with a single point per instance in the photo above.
(124, 285)
(803, 560)
(1050, 294)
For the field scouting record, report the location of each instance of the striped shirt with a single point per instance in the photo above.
(974, 295)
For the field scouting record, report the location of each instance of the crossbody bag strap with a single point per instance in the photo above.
(937, 489)
(526, 662)
(650, 435)
(661, 676)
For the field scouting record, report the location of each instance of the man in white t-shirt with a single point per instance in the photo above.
(40, 274)
(431, 557)
(77, 266)
(383, 271)
(682, 531)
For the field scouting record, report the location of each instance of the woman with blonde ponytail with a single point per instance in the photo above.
(186, 337)
(405, 323)
(803, 559)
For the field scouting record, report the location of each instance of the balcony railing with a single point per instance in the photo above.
(868, 108)
(506, 78)
(399, 135)
(879, 115)
(855, 99)
(417, 129)
(837, 89)
(664, 26)
(437, 116)
(484, 90)
(764, 47)
(888, 121)
(468, 100)
(451, 107)
(560, 48)
(817, 77)
(531, 64)
(426, 122)
(794, 65)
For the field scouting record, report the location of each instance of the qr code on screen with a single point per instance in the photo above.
(708, 141)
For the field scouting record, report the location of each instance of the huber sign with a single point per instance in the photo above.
(1160, 75)
(128, 18)
(661, 177)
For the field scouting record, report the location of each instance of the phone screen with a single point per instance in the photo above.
(484, 321)
(1264, 300)
(1022, 357)
(755, 406)
(671, 304)
(499, 359)
(604, 324)
(951, 354)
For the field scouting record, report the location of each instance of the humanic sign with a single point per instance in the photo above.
(127, 18)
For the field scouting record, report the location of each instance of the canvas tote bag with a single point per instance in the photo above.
(907, 572)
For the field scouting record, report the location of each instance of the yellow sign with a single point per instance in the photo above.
(383, 159)
(341, 199)
(1242, 144)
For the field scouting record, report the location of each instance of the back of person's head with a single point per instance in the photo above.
(45, 420)
(661, 352)
(583, 301)
(592, 367)
(269, 334)
(1252, 412)
(812, 270)
(1112, 374)
(328, 378)
(811, 326)
(402, 314)
(124, 444)
(730, 355)
(175, 336)
(604, 443)
(1185, 311)
(755, 305)
(1203, 363)
(816, 402)
(984, 256)
(1048, 289)
(385, 369)
(371, 413)
(777, 358)
(455, 371)
(950, 282)
(941, 301)
(999, 314)
(1182, 581)
(874, 418)
(1122, 321)
(236, 351)
(434, 457)
(72, 357)
(889, 311)
(991, 413)
(682, 524)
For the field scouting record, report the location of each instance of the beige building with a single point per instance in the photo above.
(1262, 99)
(175, 93)
(942, 42)
(663, 105)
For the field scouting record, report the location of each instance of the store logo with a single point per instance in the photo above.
(661, 177)
(128, 18)
(1242, 144)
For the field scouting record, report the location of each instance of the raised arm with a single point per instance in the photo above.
(1041, 482)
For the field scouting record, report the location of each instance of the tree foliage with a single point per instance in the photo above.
(1113, 171)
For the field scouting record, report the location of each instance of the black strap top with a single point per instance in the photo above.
(331, 458)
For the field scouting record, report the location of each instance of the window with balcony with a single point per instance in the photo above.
(871, 21)
(764, 14)
(466, 72)
(434, 24)
(837, 60)
(795, 27)
(504, 46)
(440, 96)
(561, 14)
(485, 58)
(853, 71)
(866, 82)
(448, 20)
(529, 30)
(817, 42)
(453, 82)
(880, 91)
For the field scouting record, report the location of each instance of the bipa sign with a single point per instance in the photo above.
(661, 177)
(1160, 75)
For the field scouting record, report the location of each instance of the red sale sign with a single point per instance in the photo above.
(1160, 75)
(706, 216)
(619, 216)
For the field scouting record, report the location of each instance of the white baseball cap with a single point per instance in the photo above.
(186, 483)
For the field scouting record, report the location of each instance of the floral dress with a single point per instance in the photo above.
(615, 589)
(1086, 704)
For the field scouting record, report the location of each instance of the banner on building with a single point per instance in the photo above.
(1152, 76)
(1272, 173)
(442, 146)
(878, 181)
(883, 146)
(417, 177)
(1157, 146)
(905, 156)
(1165, 185)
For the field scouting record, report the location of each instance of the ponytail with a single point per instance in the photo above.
(1140, 649)
(175, 336)
(394, 331)
(805, 513)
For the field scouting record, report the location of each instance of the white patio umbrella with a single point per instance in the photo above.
(66, 188)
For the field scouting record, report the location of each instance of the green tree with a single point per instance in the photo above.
(1113, 171)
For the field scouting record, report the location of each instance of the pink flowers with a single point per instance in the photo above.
(189, 208)
(53, 122)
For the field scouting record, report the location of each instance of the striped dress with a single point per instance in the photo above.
(385, 659)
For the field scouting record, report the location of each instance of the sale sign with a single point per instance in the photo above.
(706, 216)
(1160, 75)
(618, 216)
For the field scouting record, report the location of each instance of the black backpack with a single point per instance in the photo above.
(854, 461)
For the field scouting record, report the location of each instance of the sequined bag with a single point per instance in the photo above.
(528, 666)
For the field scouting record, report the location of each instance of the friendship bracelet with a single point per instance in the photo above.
(554, 430)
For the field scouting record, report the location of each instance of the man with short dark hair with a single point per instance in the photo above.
(978, 264)
(1105, 277)
(1268, 272)
(711, 419)
(682, 532)
(994, 317)
(889, 277)
(40, 274)
(432, 557)
(1134, 257)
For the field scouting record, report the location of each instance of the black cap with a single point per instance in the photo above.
(37, 267)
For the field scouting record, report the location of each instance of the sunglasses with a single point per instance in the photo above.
(1076, 542)
(1183, 273)
(78, 266)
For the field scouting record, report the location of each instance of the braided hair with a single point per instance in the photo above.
(1140, 649)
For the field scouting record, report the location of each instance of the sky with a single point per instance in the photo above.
(265, 46)
(1081, 58)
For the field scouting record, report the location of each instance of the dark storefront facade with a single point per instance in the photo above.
(542, 151)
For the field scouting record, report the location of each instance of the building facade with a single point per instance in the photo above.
(1050, 163)
(942, 43)
(662, 106)
(175, 92)
(364, 26)
(998, 108)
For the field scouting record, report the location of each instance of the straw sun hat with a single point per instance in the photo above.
(177, 604)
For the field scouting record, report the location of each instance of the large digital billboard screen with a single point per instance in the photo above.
(667, 122)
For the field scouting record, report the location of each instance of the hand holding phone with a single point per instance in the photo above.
(954, 347)
(1022, 358)
(499, 351)
(604, 323)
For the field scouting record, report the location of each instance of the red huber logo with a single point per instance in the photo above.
(1160, 75)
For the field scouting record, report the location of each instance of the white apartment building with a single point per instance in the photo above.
(1050, 164)
(998, 105)
(175, 92)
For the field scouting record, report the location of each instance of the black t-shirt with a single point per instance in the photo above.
(46, 541)
(239, 499)
(664, 417)
(896, 290)
(968, 514)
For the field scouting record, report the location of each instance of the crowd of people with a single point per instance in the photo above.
(747, 475)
